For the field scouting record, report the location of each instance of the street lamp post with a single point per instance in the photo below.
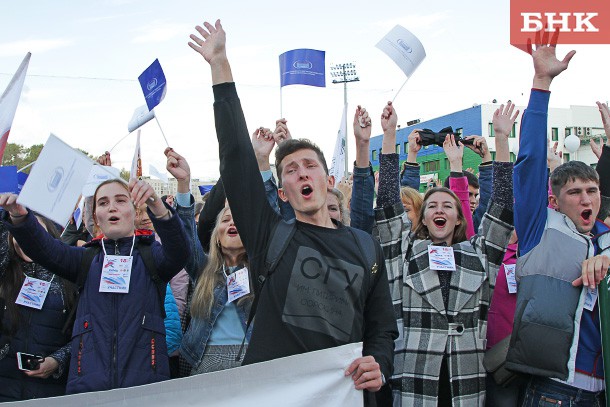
(344, 73)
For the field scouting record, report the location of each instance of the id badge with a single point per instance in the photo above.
(590, 299)
(238, 284)
(116, 273)
(441, 258)
(33, 293)
(511, 281)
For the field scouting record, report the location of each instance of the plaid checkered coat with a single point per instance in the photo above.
(427, 329)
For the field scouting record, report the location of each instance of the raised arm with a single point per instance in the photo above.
(361, 208)
(530, 180)
(389, 183)
(179, 168)
(410, 171)
(243, 185)
(603, 165)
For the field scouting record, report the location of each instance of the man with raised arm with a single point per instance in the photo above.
(556, 336)
(325, 290)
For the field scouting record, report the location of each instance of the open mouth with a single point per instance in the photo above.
(113, 219)
(586, 214)
(306, 191)
(232, 232)
(439, 222)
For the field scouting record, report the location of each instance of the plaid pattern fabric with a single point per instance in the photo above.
(428, 330)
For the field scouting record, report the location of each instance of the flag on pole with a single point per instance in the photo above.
(136, 163)
(403, 48)
(303, 67)
(152, 81)
(9, 101)
(8, 179)
(337, 168)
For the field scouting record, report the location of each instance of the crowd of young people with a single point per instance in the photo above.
(432, 285)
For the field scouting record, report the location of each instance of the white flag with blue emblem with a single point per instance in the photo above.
(404, 48)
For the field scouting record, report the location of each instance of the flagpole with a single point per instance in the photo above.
(281, 104)
(344, 73)
(403, 85)
(162, 133)
(118, 142)
(27, 166)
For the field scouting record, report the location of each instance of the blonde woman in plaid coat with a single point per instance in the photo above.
(441, 315)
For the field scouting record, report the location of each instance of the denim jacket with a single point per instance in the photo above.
(199, 330)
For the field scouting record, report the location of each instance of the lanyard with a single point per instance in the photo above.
(130, 252)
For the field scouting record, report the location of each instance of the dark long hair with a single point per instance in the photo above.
(12, 280)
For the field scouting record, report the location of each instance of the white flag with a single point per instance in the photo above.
(136, 163)
(337, 168)
(140, 117)
(56, 181)
(404, 48)
(9, 101)
(154, 172)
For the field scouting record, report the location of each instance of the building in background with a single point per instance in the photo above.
(582, 121)
(171, 188)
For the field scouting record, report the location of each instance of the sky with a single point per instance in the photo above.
(86, 57)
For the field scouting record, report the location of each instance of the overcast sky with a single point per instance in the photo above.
(86, 57)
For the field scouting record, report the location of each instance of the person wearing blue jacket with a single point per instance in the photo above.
(118, 338)
(563, 256)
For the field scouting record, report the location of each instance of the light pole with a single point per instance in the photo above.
(344, 73)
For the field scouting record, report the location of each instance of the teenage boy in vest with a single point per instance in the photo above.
(563, 256)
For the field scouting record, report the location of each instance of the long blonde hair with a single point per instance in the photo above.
(211, 275)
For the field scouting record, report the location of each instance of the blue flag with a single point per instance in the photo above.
(21, 178)
(8, 179)
(203, 189)
(152, 81)
(303, 67)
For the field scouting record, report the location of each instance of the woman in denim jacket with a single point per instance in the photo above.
(217, 327)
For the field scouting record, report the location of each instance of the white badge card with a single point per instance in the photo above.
(33, 292)
(441, 258)
(509, 269)
(590, 298)
(238, 284)
(116, 273)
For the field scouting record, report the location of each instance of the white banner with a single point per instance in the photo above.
(310, 379)
(140, 117)
(136, 162)
(337, 168)
(154, 172)
(97, 175)
(404, 48)
(57, 179)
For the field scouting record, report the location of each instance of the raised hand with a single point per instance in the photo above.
(141, 192)
(414, 146)
(104, 159)
(389, 118)
(479, 146)
(281, 132)
(503, 120)
(362, 124)
(605, 113)
(553, 157)
(179, 168)
(546, 64)
(454, 152)
(596, 148)
(262, 143)
(211, 43)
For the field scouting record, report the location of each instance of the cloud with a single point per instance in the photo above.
(159, 31)
(16, 48)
